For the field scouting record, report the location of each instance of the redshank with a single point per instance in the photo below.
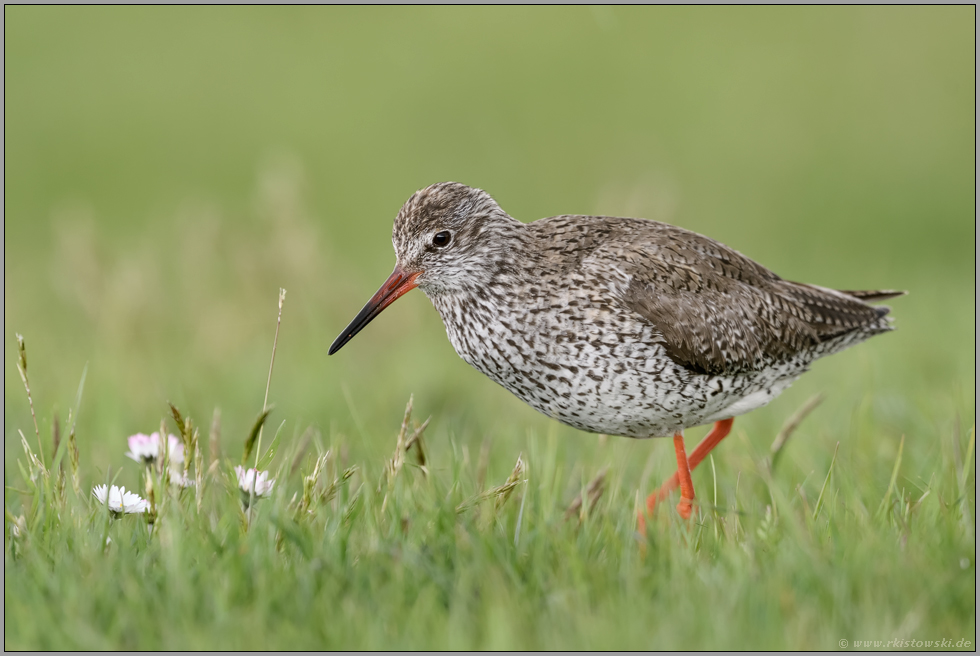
(615, 325)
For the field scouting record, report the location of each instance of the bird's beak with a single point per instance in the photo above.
(397, 284)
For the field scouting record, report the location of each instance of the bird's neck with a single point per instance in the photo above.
(470, 318)
(469, 308)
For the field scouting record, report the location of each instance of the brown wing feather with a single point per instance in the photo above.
(717, 310)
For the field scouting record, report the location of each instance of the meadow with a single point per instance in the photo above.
(168, 170)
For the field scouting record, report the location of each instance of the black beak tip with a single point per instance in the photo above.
(396, 285)
(337, 344)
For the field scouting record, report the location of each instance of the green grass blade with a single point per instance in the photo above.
(891, 484)
(266, 459)
(253, 434)
(969, 455)
(823, 488)
(78, 397)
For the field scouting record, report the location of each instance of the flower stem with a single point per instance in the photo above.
(150, 494)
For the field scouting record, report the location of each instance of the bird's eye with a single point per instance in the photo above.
(442, 239)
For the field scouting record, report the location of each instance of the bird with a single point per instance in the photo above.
(618, 326)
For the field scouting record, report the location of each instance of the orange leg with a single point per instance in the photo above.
(710, 441)
(685, 505)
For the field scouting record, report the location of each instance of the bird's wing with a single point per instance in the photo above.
(717, 310)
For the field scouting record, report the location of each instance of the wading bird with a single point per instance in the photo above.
(615, 325)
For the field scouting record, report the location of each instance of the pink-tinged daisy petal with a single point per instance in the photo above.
(247, 478)
(144, 448)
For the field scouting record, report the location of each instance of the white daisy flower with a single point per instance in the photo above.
(246, 478)
(146, 448)
(120, 501)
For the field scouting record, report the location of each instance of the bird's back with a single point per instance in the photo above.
(715, 310)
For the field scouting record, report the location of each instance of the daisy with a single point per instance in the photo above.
(120, 501)
(146, 448)
(246, 478)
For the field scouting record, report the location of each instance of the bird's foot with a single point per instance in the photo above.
(682, 477)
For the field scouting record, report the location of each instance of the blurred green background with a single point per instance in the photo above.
(167, 169)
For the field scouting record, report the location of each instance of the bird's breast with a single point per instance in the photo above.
(570, 358)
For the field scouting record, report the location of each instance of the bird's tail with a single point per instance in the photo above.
(836, 313)
(874, 295)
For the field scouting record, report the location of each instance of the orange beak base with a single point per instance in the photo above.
(398, 283)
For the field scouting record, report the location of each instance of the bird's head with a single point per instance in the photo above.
(448, 239)
(451, 238)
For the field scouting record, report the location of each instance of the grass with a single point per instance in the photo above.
(404, 554)
(168, 169)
